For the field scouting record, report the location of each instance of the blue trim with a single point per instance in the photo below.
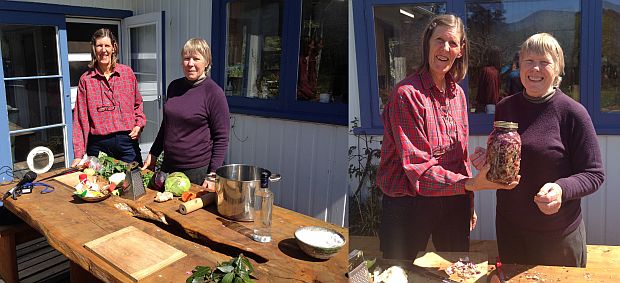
(63, 10)
(291, 30)
(286, 105)
(66, 89)
(218, 43)
(34, 18)
(164, 89)
(5, 140)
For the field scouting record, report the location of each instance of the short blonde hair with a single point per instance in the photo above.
(542, 44)
(200, 46)
(459, 67)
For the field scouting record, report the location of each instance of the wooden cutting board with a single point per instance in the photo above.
(437, 262)
(133, 252)
(70, 179)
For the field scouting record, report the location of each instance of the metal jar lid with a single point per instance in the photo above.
(505, 125)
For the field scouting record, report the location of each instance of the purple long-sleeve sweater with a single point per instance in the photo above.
(194, 131)
(559, 145)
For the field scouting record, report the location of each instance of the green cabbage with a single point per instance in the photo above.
(177, 183)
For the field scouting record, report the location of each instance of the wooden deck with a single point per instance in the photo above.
(37, 261)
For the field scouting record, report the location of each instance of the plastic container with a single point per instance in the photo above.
(504, 152)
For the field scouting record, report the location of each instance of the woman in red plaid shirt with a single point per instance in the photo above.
(108, 113)
(424, 171)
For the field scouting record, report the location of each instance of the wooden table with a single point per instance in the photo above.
(603, 263)
(203, 235)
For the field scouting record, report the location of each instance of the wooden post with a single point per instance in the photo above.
(8, 254)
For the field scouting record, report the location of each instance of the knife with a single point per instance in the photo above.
(426, 273)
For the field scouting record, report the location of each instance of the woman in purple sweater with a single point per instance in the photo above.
(540, 222)
(195, 127)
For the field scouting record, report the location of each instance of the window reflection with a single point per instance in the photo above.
(398, 35)
(254, 49)
(322, 74)
(28, 50)
(33, 103)
(502, 26)
(610, 61)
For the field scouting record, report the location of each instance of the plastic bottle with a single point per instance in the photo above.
(263, 204)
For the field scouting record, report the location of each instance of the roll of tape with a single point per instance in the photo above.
(37, 151)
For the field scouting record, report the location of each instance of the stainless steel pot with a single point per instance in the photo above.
(235, 185)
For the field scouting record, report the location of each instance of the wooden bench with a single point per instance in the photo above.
(10, 237)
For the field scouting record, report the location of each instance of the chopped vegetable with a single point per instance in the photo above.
(89, 171)
(187, 196)
(117, 178)
(503, 153)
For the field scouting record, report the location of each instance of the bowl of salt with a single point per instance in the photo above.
(319, 242)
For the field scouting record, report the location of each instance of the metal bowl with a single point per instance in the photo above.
(319, 242)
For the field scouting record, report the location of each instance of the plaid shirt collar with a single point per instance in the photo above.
(98, 72)
(428, 84)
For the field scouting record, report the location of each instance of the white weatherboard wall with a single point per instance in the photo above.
(601, 210)
(311, 157)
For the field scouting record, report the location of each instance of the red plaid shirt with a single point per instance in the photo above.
(105, 106)
(424, 148)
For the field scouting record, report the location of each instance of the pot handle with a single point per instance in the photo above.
(211, 177)
(275, 177)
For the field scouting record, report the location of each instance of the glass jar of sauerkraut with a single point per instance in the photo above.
(504, 152)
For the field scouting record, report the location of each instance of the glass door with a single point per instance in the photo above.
(31, 93)
(143, 52)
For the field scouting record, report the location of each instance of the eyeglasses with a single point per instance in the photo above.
(106, 108)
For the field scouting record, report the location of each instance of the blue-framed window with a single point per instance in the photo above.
(283, 59)
(35, 103)
(587, 30)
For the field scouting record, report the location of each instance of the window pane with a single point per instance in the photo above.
(610, 85)
(144, 56)
(28, 50)
(253, 48)
(33, 103)
(22, 143)
(398, 35)
(496, 30)
(323, 65)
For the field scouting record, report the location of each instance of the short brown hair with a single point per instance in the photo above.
(459, 68)
(544, 43)
(200, 46)
(101, 33)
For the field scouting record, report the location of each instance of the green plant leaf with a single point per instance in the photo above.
(199, 274)
(228, 278)
(225, 268)
(246, 278)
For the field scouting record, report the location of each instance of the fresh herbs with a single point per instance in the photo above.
(109, 165)
(147, 178)
(236, 270)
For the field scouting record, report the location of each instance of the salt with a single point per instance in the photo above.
(321, 239)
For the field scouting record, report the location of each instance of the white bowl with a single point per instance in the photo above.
(319, 242)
